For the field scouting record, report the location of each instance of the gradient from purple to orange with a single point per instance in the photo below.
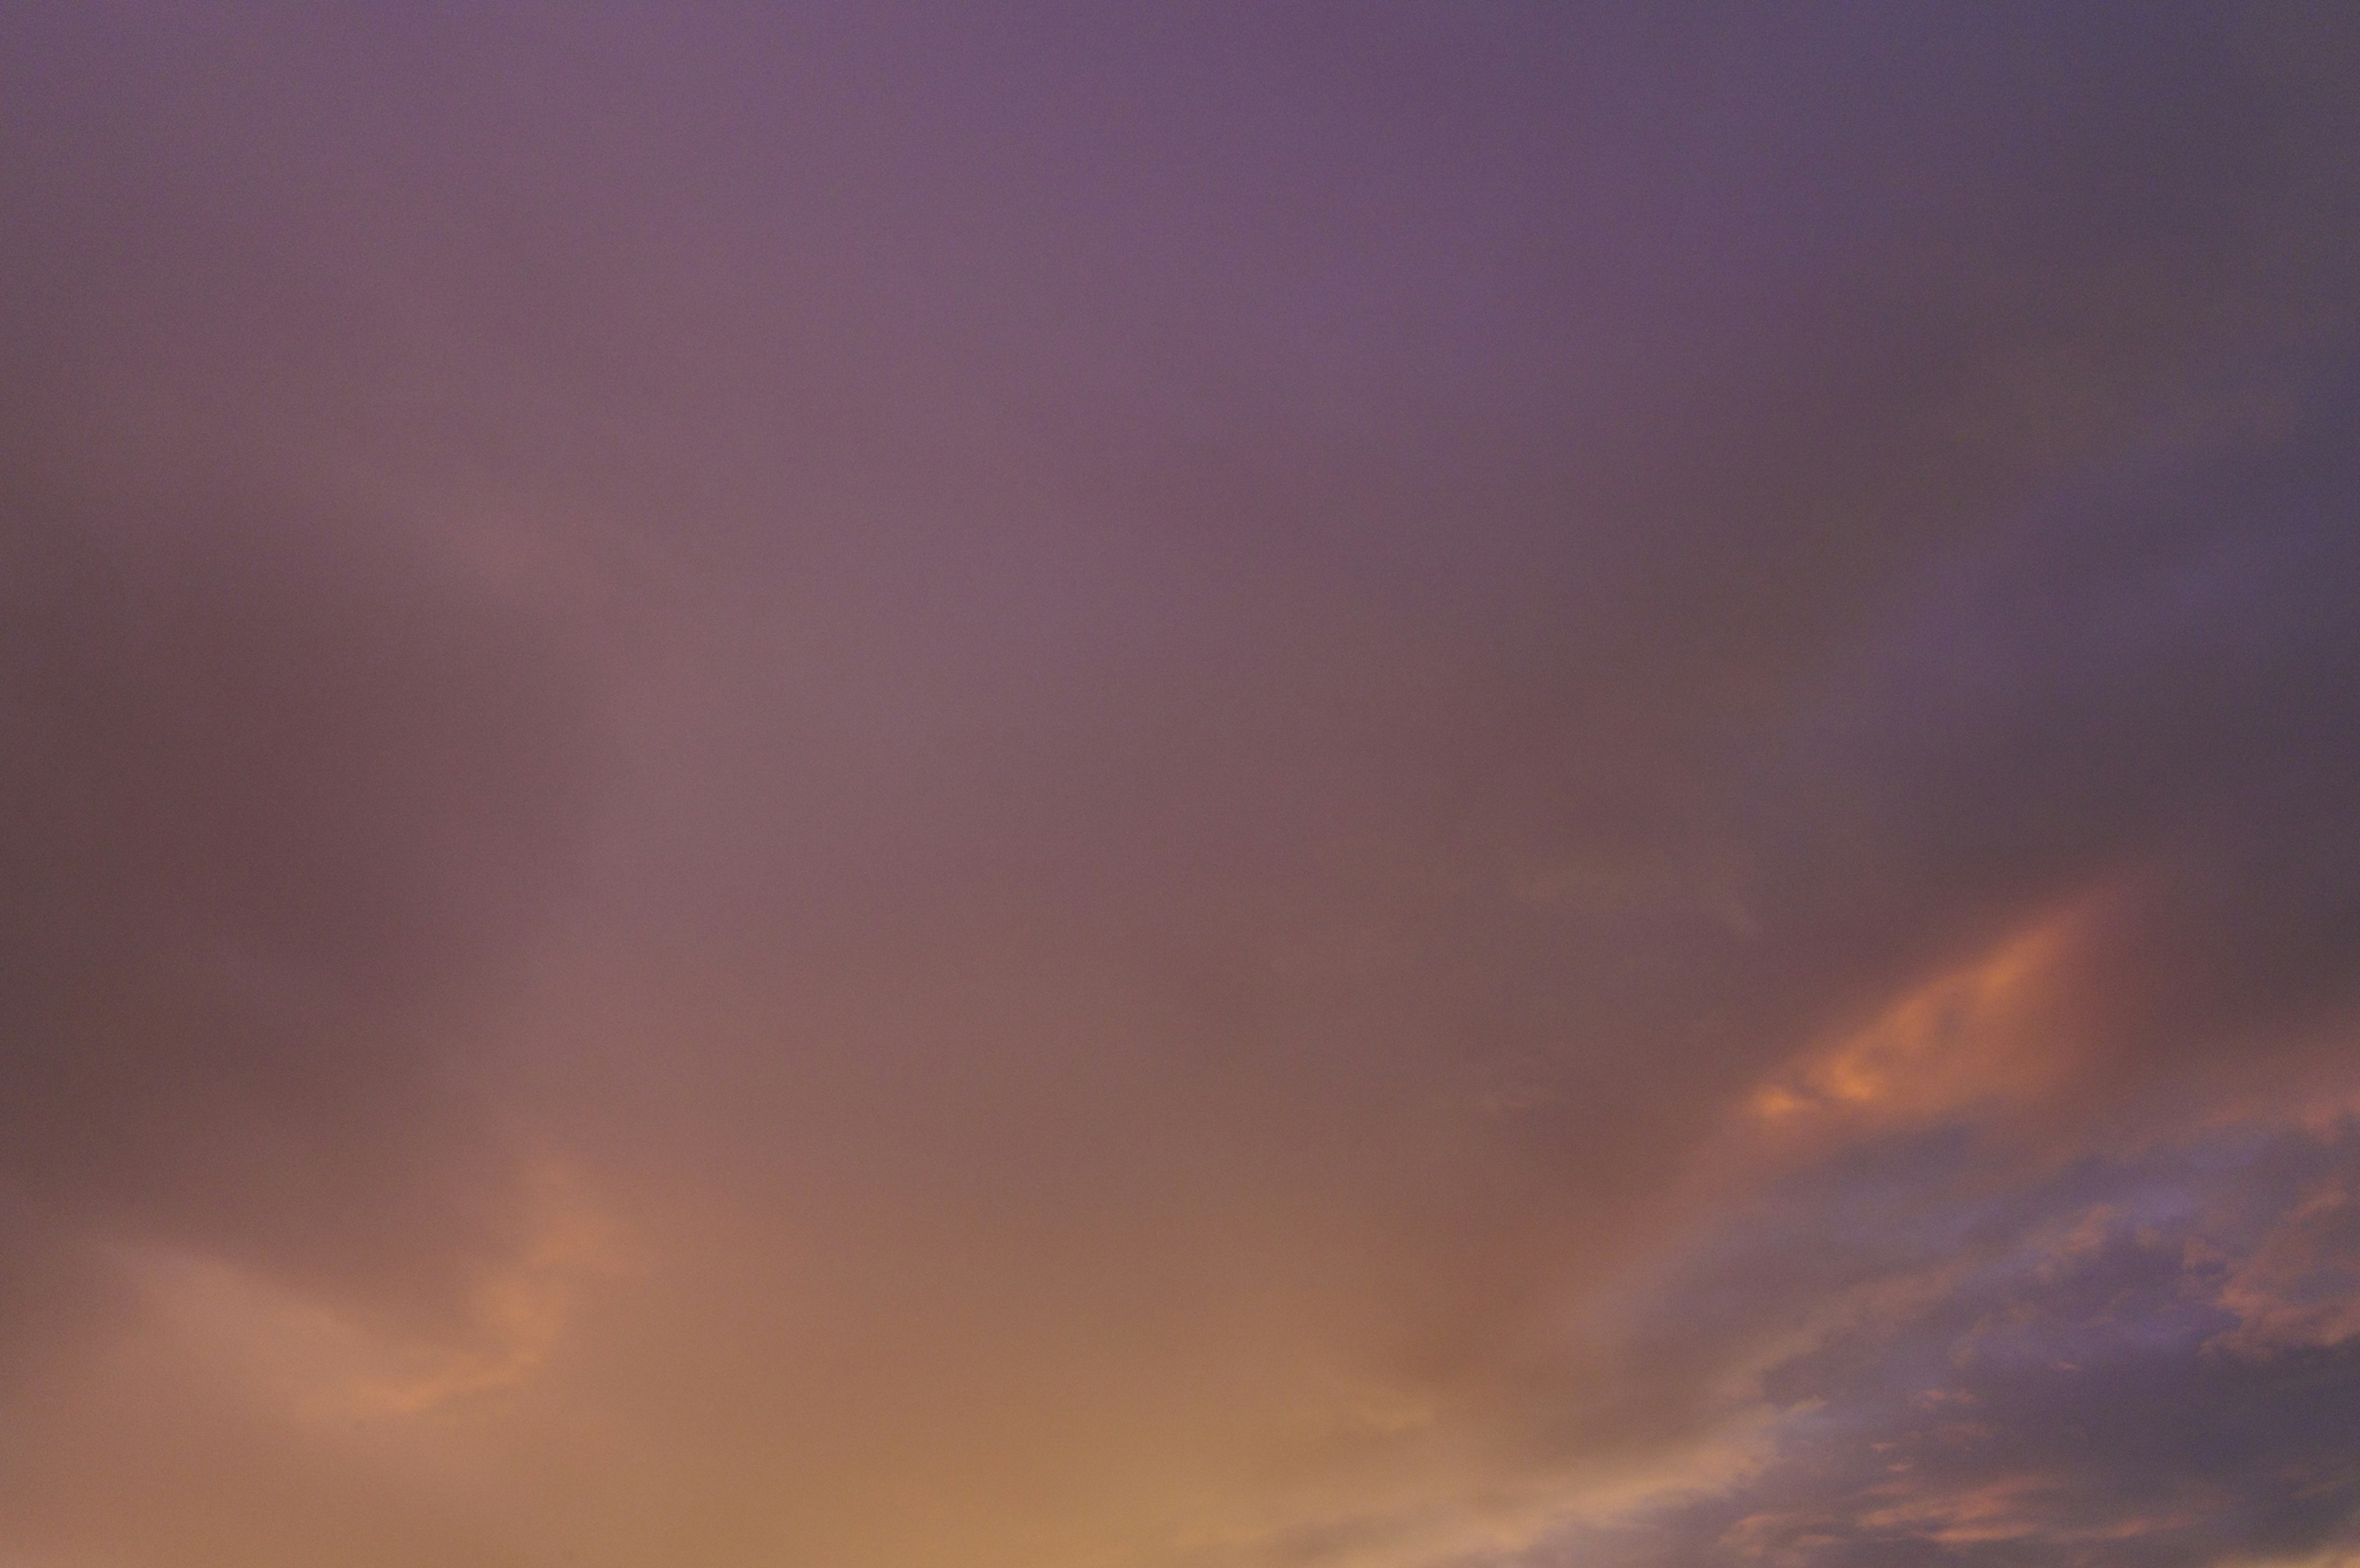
(1364, 786)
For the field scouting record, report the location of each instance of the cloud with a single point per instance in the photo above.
(290, 799)
(2096, 1375)
(1365, 791)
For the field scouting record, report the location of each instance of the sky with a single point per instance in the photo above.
(1368, 786)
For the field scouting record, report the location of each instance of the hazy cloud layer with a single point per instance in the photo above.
(1366, 788)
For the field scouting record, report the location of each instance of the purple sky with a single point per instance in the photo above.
(1367, 786)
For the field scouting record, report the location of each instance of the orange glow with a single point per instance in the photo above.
(1993, 1031)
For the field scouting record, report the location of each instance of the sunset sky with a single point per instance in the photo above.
(1364, 786)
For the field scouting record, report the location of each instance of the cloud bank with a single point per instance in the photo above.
(1380, 789)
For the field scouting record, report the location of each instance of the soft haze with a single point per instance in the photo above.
(1265, 787)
